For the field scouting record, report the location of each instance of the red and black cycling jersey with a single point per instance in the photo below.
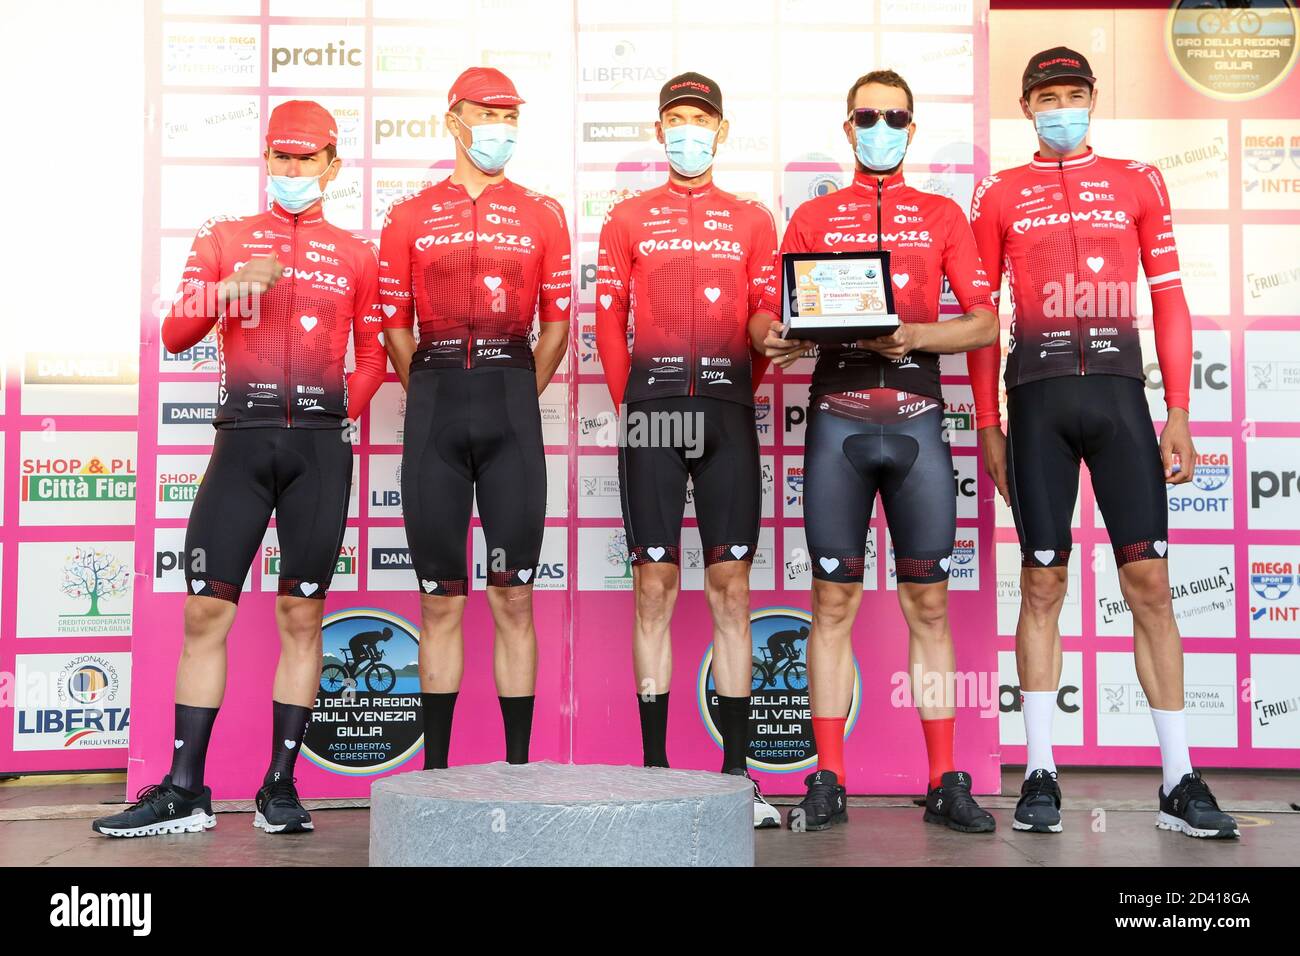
(927, 237)
(281, 353)
(689, 266)
(1069, 234)
(475, 272)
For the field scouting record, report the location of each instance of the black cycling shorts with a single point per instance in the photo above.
(304, 475)
(1055, 423)
(846, 461)
(713, 442)
(473, 431)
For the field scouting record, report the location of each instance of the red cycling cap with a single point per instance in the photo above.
(302, 127)
(483, 84)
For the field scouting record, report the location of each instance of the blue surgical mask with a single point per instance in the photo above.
(1062, 129)
(690, 149)
(881, 147)
(491, 145)
(294, 193)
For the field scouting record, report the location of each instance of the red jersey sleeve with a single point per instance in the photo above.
(962, 264)
(1170, 315)
(395, 298)
(613, 288)
(983, 363)
(555, 299)
(796, 240)
(195, 309)
(760, 269)
(368, 349)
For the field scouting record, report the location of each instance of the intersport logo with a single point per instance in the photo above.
(460, 238)
(648, 246)
(1022, 226)
(863, 238)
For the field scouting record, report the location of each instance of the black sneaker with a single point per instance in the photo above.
(824, 805)
(161, 808)
(1192, 809)
(279, 810)
(952, 805)
(1039, 808)
(765, 815)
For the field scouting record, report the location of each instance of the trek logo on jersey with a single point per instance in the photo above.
(462, 238)
(69, 479)
(836, 238)
(1022, 226)
(647, 246)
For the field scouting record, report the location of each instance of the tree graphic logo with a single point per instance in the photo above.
(94, 575)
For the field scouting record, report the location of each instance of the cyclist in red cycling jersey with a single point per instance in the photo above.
(1069, 230)
(475, 258)
(689, 262)
(285, 290)
(876, 425)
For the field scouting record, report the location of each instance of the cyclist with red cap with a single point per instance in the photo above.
(1069, 230)
(689, 262)
(286, 290)
(474, 259)
(875, 425)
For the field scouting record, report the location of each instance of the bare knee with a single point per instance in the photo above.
(512, 608)
(1145, 586)
(834, 606)
(207, 620)
(655, 596)
(728, 592)
(1042, 591)
(299, 620)
(925, 606)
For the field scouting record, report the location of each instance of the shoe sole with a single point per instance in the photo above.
(767, 819)
(195, 823)
(260, 823)
(939, 820)
(1167, 821)
(1036, 827)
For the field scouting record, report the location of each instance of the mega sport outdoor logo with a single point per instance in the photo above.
(367, 718)
(1274, 592)
(780, 726)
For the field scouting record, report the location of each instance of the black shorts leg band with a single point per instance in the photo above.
(1148, 550)
(444, 587)
(839, 568)
(512, 578)
(740, 551)
(207, 587)
(922, 570)
(1044, 557)
(656, 554)
(292, 587)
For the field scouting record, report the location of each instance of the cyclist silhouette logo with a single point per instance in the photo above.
(782, 659)
(364, 656)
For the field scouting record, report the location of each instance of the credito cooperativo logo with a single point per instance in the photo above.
(780, 727)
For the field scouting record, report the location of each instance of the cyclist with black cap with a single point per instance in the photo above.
(1069, 230)
(688, 262)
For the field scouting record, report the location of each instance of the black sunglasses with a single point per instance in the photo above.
(868, 117)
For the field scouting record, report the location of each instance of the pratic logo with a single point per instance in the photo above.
(408, 128)
(71, 480)
(613, 131)
(1274, 591)
(89, 708)
(336, 53)
(1274, 483)
(73, 369)
(1207, 373)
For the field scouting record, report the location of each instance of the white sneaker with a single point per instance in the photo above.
(766, 816)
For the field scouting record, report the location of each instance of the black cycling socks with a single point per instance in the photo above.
(654, 729)
(193, 731)
(733, 722)
(517, 714)
(288, 727)
(437, 709)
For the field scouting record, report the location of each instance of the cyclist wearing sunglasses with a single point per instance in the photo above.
(876, 425)
(1071, 220)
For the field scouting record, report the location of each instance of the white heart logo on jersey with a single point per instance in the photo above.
(829, 564)
(197, 586)
(1160, 547)
(492, 282)
(901, 279)
(308, 322)
(655, 553)
(308, 588)
(390, 310)
(1095, 263)
(290, 744)
(606, 301)
(179, 744)
(525, 574)
(562, 304)
(429, 586)
(712, 293)
(424, 242)
(944, 562)
(380, 337)
(739, 550)
(1044, 557)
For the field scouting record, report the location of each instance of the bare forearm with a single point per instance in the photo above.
(549, 352)
(400, 344)
(973, 330)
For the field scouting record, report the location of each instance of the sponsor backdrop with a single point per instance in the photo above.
(1208, 96)
(89, 559)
